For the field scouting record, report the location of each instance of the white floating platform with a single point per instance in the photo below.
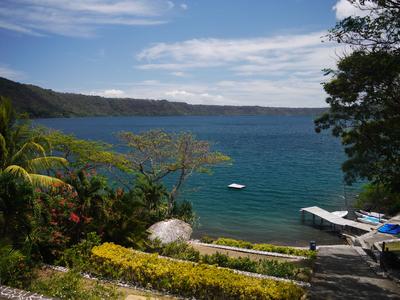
(236, 186)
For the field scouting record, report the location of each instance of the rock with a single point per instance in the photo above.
(169, 231)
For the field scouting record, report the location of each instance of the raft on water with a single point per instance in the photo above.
(236, 186)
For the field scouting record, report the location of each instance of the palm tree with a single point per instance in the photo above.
(23, 150)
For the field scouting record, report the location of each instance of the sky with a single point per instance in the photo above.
(219, 52)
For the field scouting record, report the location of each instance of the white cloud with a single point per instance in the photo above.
(243, 56)
(79, 17)
(178, 74)
(282, 70)
(228, 49)
(184, 6)
(344, 9)
(287, 92)
(9, 73)
(111, 93)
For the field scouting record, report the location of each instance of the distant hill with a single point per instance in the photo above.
(45, 103)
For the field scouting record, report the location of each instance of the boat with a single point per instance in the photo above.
(236, 186)
(378, 216)
(362, 213)
(340, 213)
(369, 220)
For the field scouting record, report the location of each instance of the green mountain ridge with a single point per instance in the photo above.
(38, 102)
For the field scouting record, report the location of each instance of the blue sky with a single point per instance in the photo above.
(254, 52)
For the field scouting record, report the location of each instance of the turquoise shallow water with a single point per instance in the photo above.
(282, 161)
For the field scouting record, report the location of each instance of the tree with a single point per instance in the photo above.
(157, 154)
(85, 153)
(23, 150)
(16, 198)
(378, 30)
(364, 96)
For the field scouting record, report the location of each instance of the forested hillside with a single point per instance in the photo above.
(45, 103)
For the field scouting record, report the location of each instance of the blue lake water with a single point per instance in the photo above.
(282, 161)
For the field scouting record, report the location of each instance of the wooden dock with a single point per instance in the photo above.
(335, 220)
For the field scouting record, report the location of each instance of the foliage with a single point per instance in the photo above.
(78, 256)
(85, 154)
(157, 154)
(180, 250)
(126, 221)
(57, 221)
(153, 196)
(183, 210)
(23, 150)
(207, 239)
(15, 270)
(185, 278)
(379, 198)
(265, 247)
(364, 100)
(68, 214)
(364, 94)
(72, 286)
(262, 266)
(16, 198)
(378, 30)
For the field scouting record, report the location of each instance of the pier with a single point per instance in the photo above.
(340, 222)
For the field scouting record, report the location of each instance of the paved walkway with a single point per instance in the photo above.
(341, 273)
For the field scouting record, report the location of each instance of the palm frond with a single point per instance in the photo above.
(45, 163)
(3, 147)
(45, 181)
(18, 171)
(29, 149)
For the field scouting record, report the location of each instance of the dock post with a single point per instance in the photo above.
(302, 216)
(313, 219)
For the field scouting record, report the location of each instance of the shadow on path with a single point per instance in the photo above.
(341, 273)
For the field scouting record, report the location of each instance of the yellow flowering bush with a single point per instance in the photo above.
(185, 278)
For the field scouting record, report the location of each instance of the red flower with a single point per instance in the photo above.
(74, 218)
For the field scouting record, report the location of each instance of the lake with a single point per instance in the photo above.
(284, 164)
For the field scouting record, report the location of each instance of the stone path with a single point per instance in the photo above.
(341, 273)
(16, 294)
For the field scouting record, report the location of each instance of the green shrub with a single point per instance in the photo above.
(14, 268)
(263, 266)
(71, 285)
(183, 210)
(185, 278)
(78, 256)
(180, 250)
(265, 247)
(378, 198)
(233, 243)
(16, 208)
(223, 260)
(278, 269)
(206, 239)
